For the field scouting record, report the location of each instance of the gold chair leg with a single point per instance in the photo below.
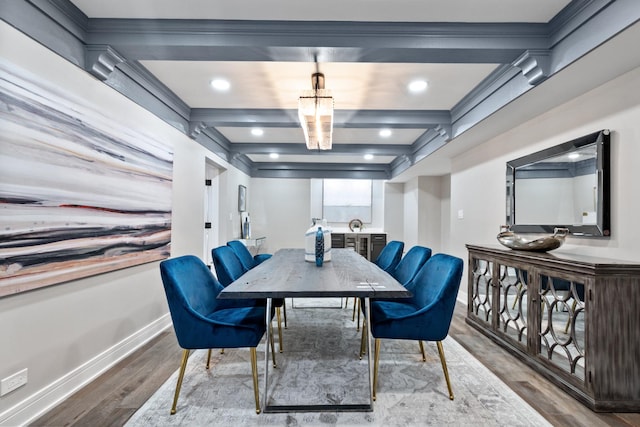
(375, 366)
(254, 372)
(208, 359)
(273, 347)
(358, 301)
(363, 339)
(279, 329)
(353, 316)
(424, 357)
(183, 366)
(444, 368)
(222, 351)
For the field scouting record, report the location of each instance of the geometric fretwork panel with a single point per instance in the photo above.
(513, 304)
(481, 297)
(562, 324)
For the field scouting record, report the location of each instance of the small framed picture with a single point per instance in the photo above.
(242, 198)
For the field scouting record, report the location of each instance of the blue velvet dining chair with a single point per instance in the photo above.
(390, 256)
(388, 260)
(227, 265)
(410, 264)
(424, 317)
(248, 261)
(404, 273)
(201, 321)
(229, 268)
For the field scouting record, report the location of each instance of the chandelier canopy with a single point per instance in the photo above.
(315, 111)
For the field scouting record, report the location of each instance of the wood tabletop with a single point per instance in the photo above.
(286, 274)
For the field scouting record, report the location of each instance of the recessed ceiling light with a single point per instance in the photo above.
(574, 155)
(417, 85)
(385, 133)
(257, 132)
(368, 156)
(220, 84)
(274, 155)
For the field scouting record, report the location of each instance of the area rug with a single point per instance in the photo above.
(320, 365)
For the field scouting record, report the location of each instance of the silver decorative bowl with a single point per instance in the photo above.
(543, 244)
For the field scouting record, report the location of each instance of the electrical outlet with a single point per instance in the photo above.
(7, 385)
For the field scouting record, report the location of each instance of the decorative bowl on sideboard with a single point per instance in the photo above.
(542, 244)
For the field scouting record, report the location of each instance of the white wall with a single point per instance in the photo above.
(430, 213)
(394, 211)
(545, 201)
(423, 202)
(410, 206)
(477, 181)
(585, 199)
(66, 334)
(555, 200)
(281, 210)
(445, 218)
(230, 217)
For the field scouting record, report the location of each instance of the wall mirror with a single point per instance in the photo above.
(242, 198)
(563, 186)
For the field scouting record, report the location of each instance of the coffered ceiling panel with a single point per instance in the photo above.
(340, 135)
(330, 10)
(354, 85)
(476, 58)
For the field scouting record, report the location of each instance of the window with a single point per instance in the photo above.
(346, 199)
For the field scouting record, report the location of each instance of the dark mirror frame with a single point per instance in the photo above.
(602, 226)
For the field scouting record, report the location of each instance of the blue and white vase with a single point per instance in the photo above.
(319, 247)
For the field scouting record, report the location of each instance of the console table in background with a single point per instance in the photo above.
(369, 245)
(575, 319)
(253, 245)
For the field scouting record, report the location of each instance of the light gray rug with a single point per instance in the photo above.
(320, 365)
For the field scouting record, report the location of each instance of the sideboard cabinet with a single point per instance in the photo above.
(369, 245)
(574, 319)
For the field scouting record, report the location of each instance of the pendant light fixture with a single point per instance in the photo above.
(315, 111)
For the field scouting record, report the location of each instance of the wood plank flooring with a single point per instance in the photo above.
(111, 399)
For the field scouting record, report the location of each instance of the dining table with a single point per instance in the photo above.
(287, 275)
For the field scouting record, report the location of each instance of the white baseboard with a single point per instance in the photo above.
(48, 397)
(462, 297)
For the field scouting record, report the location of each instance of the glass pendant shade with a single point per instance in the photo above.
(315, 111)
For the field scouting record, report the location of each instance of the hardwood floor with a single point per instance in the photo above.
(112, 398)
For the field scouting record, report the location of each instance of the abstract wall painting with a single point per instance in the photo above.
(80, 194)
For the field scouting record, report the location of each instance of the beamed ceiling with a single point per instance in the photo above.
(489, 65)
